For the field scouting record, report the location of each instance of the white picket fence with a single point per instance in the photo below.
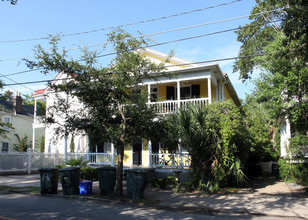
(32, 161)
(28, 161)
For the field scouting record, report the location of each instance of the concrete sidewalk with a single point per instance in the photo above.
(272, 199)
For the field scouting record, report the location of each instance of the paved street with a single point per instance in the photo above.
(266, 198)
(18, 206)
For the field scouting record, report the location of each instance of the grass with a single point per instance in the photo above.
(27, 190)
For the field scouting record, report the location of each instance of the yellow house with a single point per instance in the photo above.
(193, 84)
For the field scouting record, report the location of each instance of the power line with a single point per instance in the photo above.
(182, 64)
(153, 45)
(17, 82)
(124, 25)
(162, 32)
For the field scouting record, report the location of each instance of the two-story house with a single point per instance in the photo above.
(20, 117)
(193, 84)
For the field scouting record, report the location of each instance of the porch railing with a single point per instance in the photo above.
(171, 106)
(168, 160)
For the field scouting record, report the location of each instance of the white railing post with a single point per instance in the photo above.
(180, 154)
(112, 154)
(29, 161)
(150, 153)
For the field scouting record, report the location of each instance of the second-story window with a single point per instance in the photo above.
(6, 122)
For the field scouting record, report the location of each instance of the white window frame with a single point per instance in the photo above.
(9, 146)
(5, 127)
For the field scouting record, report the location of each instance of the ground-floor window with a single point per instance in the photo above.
(5, 146)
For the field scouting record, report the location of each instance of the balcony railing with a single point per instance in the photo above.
(171, 106)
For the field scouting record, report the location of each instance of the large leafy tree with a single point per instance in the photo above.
(113, 96)
(282, 35)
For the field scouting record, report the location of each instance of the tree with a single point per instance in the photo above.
(282, 35)
(7, 96)
(113, 96)
(72, 145)
(13, 2)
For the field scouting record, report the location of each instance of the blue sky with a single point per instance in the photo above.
(34, 19)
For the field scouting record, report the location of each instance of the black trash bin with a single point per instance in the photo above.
(275, 169)
(49, 180)
(69, 178)
(107, 180)
(135, 183)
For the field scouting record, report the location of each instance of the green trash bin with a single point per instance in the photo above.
(49, 180)
(135, 183)
(69, 178)
(107, 180)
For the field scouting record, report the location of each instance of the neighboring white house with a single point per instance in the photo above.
(21, 119)
(194, 84)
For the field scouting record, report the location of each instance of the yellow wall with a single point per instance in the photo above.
(227, 94)
(128, 160)
(145, 153)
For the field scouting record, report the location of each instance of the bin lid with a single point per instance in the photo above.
(69, 168)
(105, 168)
(136, 170)
(48, 169)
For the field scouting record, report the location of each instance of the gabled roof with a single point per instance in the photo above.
(8, 107)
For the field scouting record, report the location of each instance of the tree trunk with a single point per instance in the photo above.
(119, 184)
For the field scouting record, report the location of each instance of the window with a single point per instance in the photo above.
(154, 94)
(5, 146)
(6, 122)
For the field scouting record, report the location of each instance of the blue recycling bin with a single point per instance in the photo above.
(85, 187)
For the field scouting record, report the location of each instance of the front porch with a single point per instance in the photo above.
(156, 160)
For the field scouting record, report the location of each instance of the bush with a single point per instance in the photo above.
(77, 162)
(158, 183)
(88, 173)
(184, 187)
(295, 172)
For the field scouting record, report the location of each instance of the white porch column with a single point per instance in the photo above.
(209, 90)
(112, 154)
(178, 90)
(150, 152)
(33, 136)
(149, 93)
(88, 148)
(180, 154)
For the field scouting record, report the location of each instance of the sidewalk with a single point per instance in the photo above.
(272, 198)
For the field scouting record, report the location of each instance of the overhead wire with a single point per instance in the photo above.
(125, 25)
(157, 33)
(182, 64)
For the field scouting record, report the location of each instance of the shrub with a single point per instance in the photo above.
(184, 187)
(88, 173)
(295, 172)
(77, 162)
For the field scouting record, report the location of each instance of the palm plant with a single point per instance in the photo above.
(22, 145)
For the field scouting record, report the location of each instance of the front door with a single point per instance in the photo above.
(137, 152)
